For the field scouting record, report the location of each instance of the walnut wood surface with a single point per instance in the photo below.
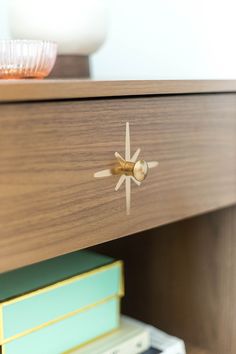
(182, 279)
(195, 350)
(51, 203)
(31, 90)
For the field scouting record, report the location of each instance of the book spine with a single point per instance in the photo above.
(135, 345)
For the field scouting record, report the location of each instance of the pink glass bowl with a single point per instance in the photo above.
(26, 59)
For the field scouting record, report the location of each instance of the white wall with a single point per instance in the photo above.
(3, 20)
(169, 39)
(166, 39)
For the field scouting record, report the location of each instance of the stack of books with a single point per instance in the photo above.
(71, 304)
(63, 303)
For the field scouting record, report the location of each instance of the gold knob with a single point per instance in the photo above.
(138, 170)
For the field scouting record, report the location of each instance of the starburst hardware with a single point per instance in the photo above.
(128, 169)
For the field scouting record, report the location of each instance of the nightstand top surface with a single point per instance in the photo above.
(37, 90)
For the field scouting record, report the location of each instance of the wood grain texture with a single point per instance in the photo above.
(51, 203)
(71, 67)
(196, 350)
(182, 279)
(32, 90)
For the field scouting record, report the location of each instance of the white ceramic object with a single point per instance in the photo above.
(78, 26)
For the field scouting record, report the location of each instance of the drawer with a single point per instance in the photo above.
(49, 151)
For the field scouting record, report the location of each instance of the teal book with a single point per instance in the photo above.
(69, 333)
(46, 293)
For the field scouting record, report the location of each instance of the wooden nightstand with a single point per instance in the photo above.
(55, 135)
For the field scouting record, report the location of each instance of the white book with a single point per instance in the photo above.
(131, 338)
(134, 337)
(162, 341)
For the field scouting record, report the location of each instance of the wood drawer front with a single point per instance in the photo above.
(50, 201)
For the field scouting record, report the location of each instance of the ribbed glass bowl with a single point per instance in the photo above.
(26, 59)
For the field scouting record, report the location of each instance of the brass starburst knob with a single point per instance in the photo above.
(138, 170)
(128, 169)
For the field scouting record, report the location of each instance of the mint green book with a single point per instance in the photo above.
(43, 294)
(69, 333)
